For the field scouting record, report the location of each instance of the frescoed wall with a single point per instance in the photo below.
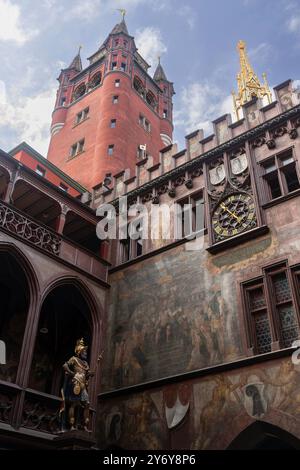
(159, 328)
(204, 413)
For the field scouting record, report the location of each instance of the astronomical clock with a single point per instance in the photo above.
(234, 215)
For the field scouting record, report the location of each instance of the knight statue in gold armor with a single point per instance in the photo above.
(76, 406)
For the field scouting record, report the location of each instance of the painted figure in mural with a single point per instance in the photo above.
(213, 414)
(75, 406)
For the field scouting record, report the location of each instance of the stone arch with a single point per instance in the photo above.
(79, 91)
(95, 80)
(150, 98)
(68, 312)
(138, 86)
(19, 287)
(263, 435)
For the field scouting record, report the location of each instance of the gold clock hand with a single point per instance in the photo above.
(229, 212)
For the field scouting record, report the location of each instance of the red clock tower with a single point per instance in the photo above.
(110, 114)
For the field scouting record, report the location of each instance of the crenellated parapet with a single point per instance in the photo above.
(260, 124)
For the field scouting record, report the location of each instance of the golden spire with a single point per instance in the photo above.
(249, 85)
(123, 12)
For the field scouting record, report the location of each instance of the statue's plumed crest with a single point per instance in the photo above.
(80, 346)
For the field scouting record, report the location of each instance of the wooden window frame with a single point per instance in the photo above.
(82, 116)
(271, 305)
(279, 172)
(192, 199)
(77, 148)
(132, 247)
(110, 149)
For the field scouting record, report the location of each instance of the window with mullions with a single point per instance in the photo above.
(191, 218)
(77, 148)
(82, 116)
(280, 175)
(271, 310)
(132, 248)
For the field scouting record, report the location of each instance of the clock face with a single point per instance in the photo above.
(234, 215)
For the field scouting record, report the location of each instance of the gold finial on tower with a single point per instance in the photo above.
(123, 12)
(248, 82)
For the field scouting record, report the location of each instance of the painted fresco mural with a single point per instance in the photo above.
(154, 335)
(209, 412)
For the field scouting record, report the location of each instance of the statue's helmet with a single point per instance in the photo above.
(80, 346)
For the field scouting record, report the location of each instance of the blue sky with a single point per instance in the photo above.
(196, 38)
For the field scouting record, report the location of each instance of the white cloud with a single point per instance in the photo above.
(11, 28)
(150, 44)
(262, 52)
(294, 24)
(28, 117)
(188, 14)
(86, 10)
(199, 104)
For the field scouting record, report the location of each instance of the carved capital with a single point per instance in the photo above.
(172, 193)
(293, 133)
(189, 184)
(258, 142)
(271, 144)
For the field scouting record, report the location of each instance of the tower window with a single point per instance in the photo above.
(139, 87)
(110, 149)
(147, 126)
(280, 175)
(117, 83)
(115, 99)
(63, 101)
(123, 67)
(116, 42)
(113, 123)
(82, 115)
(150, 98)
(95, 80)
(79, 91)
(113, 65)
(80, 146)
(143, 122)
(142, 152)
(165, 113)
(77, 148)
(40, 170)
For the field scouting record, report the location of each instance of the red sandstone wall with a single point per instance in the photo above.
(90, 167)
(32, 163)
